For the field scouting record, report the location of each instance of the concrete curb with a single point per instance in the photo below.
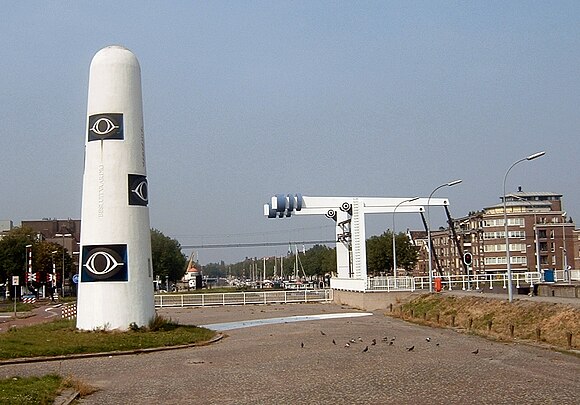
(66, 397)
(24, 360)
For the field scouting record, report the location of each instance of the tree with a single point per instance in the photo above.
(168, 261)
(13, 261)
(319, 260)
(380, 253)
(13, 252)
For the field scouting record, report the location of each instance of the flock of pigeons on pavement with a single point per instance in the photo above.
(385, 340)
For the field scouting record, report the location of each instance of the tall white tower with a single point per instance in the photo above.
(116, 276)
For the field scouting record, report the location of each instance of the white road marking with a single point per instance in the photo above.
(288, 319)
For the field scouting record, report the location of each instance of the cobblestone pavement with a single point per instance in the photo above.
(268, 365)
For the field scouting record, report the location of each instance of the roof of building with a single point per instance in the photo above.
(522, 203)
(524, 194)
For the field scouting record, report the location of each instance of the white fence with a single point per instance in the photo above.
(480, 281)
(451, 282)
(391, 284)
(242, 298)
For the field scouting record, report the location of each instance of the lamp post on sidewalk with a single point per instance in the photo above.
(63, 235)
(507, 245)
(450, 184)
(565, 272)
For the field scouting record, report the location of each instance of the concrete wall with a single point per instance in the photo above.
(371, 301)
(559, 290)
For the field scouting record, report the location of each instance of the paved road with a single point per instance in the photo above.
(268, 365)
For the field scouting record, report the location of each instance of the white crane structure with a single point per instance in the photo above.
(349, 216)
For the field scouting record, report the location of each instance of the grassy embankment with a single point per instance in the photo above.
(557, 325)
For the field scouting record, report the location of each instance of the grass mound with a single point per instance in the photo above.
(61, 338)
(555, 324)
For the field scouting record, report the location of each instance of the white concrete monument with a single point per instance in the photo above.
(116, 277)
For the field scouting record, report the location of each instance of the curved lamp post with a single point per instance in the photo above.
(394, 246)
(450, 184)
(507, 245)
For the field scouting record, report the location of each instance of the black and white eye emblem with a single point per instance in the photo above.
(141, 190)
(138, 190)
(104, 263)
(105, 127)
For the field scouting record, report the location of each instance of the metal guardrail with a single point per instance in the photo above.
(242, 298)
(391, 284)
(479, 281)
(450, 282)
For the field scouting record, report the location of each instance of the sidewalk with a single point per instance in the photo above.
(43, 313)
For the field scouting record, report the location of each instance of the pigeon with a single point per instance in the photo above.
(437, 344)
(391, 343)
(393, 339)
(360, 339)
(366, 349)
(428, 339)
(374, 342)
(386, 339)
(302, 344)
(333, 342)
(409, 349)
(322, 333)
(352, 341)
(475, 351)
(347, 344)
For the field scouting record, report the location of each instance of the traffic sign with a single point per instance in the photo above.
(75, 279)
(15, 280)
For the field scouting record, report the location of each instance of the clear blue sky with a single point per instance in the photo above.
(243, 100)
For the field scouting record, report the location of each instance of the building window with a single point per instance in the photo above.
(551, 234)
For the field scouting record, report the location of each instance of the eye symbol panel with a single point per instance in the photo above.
(105, 127)
(104, 263)
(138, 190)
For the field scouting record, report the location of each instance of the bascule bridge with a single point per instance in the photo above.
(349, 215)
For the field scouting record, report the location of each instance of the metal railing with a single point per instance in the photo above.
(242, 298)
(480, 281)
(391, 284)
(450, 282)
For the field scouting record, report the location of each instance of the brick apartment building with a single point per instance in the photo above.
(538, 228)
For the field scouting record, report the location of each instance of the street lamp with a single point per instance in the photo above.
(64, 235)
(507, 246)
(565, 272)
(394, 247)
(450, 184)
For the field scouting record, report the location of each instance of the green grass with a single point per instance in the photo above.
(62, 338)
(30, 390)
(7, 306)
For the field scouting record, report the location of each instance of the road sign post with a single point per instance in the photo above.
(15, 283)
